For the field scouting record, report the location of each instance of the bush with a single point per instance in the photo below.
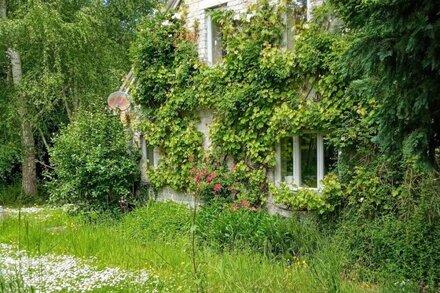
(404, 245)
(94, 165)
(230, 227)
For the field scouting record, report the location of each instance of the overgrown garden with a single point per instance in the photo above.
(364, 73)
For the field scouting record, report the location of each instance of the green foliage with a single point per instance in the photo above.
(394, 51)
(72, 54)
(240, 226)
(212, 180)
(322, 201)
(10, 151)
(405, 244)
(94, 165)
(259, 93)
(160, 221)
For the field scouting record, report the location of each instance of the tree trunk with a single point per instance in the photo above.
(29, 172)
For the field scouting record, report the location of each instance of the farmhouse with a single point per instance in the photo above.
(300, 159)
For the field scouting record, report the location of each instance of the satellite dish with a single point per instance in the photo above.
(118, 100)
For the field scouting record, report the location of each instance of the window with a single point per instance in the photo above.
(303, 160)
(214, 41)
(296, 15)
(148, 155)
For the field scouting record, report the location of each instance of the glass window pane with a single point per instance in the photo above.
(150, 156)
(330, 157)
(287, 160)
(217, 50)
(308, 161)
(300, 13)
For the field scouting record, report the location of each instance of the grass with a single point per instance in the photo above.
(132, 245)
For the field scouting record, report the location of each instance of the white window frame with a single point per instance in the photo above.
(296, 158)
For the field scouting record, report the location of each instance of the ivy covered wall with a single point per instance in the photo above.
(259, 94)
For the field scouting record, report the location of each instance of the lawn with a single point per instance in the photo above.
(151, 244)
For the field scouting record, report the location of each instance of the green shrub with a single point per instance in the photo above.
(158, 220)
(240, 226)
(405, 244)
(94, 165)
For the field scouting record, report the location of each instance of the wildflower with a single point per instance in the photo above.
(217, 187)
(236, 17)
(193, 170)
(177, 15)
(254, 209)
(55, 273)
(245, 203)
(235, 207)
(166, 23)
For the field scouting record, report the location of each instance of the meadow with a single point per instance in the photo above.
(153, 244)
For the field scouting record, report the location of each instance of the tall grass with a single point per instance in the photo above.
(151, 238)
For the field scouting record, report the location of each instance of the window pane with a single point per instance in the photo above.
(150, 156)
(308, 161)
(300, 13)
(330, 157)
(287, 160)
(217, 51)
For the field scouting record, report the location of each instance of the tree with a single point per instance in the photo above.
(65, 55)
(396, 45)
(29, 177)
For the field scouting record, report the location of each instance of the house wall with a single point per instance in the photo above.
(197, 13)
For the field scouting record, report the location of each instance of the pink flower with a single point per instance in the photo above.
(235, 207)
(254, 209)
(217, 187)
(198, 177)
(245, 203)
(193, 170)
(210, 177)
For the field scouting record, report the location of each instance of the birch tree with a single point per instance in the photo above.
(29, 173)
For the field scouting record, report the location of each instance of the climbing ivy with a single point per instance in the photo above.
(260, 93)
